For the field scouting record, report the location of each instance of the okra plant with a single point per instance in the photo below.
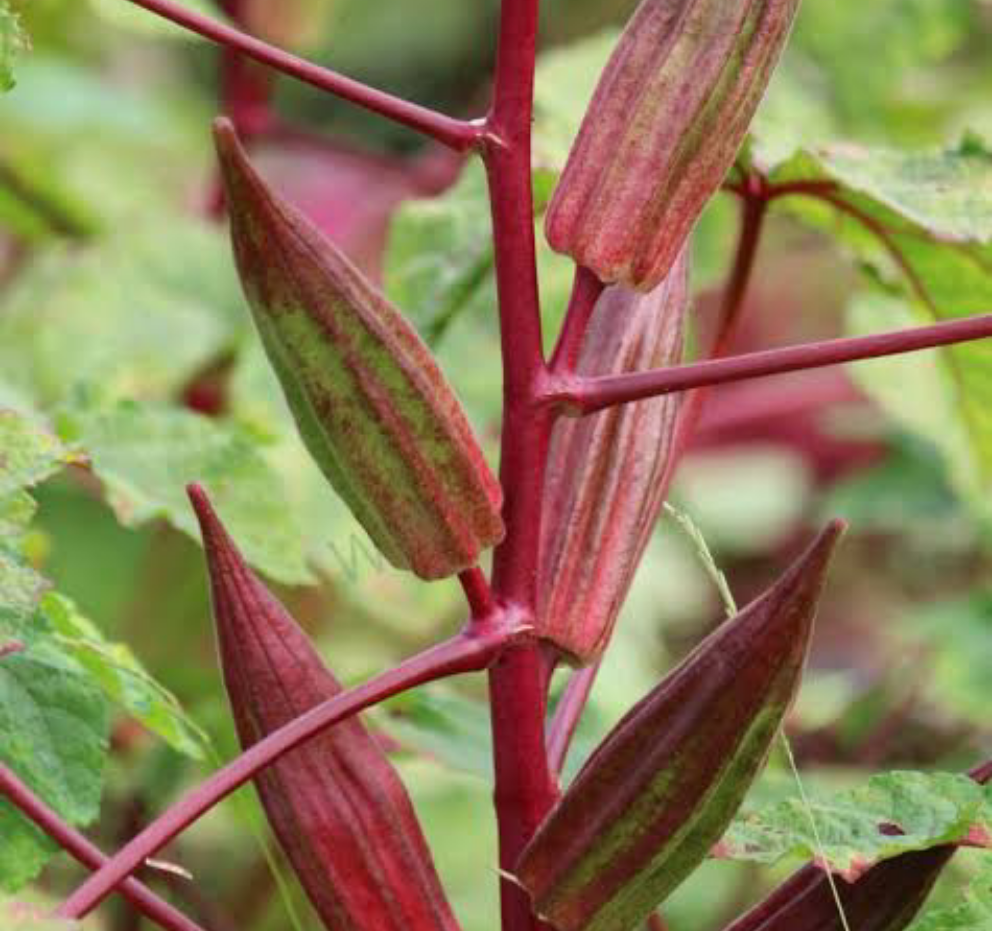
(593, 427)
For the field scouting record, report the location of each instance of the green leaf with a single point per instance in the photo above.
(563, 86)
(973, 913)
(922, 224)
(13, 40)
(123, 679)
(142, 22)
(53, 734)
(439, 256)
(28, 453)
(449, 728)
(137, 313)
(146, 454)
(929, 809)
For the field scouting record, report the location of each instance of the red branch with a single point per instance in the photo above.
(525, 789)
(477, 594)
(754, 208)
(586, 395)
(459, 135)
(70, 840)
(567, 714)
(470, 651)
(586, 289)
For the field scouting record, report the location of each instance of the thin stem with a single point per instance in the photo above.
(88, 854)
(567, 715)
(754, 209)
(456, 134)
(586, 395)
(525, 789)
(477, 594)
(586, 289)
(463, 653)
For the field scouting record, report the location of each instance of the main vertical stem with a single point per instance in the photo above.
(524, 788)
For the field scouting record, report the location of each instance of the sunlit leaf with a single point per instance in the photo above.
(922, 223)
(53, 734)
(107, 313)
(892, 814)
(145, 454)
(13, 40)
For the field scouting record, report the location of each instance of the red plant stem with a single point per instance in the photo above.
(586, 395)
(467, 652)
(567, 715)
(246, 86)
(754, 209)
(477, 594)
(459, 135)
(524, 789)
(77, 846)
(586, 289)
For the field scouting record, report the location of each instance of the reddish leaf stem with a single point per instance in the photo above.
(524, 789)
(246, 86)
(586, 289)
(77, 846)
(467, 652)
(754, 209)
(567, 715)
(477, 594)
(459, 135)
(582, 396)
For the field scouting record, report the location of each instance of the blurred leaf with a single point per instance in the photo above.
(973, 911)
(89, 146)
(13, 40)
(928, 808)
(146, 454)
(869, 84)
(139, 313)
(124, 680)
(28, 453)
(746, 500)
(22, 916)
(439, 253)
(564, 83)
(443, 725)
(960, 665)
(922, 222)
(53, 734)
(142, 22)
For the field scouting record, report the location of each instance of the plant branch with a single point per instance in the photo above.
(586, 289)
(754, 208)
(470, 651)
(477, 594)
(580, 396)
(525, 789)
(88, 854)
(460, 135)
(567, 715)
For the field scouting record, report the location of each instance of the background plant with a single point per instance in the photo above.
(97, 190)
